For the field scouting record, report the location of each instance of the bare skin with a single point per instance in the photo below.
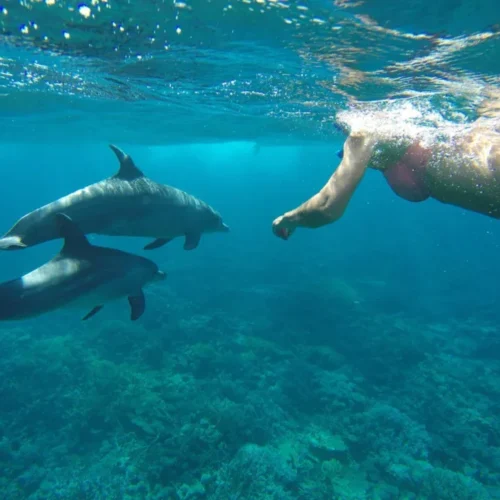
(465, 174)
(329, 204)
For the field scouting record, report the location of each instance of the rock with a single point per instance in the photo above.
(324, 446)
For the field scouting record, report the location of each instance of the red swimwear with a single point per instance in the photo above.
(407, 176)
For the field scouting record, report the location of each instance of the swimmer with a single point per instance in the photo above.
(464, 172)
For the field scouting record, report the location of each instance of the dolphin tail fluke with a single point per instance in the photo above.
(137, 305)
(91, 313)
(11, 243)
(157, 243)
(192, 240)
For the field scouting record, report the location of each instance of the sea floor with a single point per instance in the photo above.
(235, 399)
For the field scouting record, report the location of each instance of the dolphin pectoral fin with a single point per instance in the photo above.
(91, 313)
(159, 242)
(137, 305)
(192, 240)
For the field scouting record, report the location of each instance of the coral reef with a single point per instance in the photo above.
(222, 405)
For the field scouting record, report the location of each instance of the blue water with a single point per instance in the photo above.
(356, 361)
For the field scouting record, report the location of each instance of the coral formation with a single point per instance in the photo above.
(224, 406)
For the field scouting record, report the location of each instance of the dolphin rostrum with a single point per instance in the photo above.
(126, 204)
(80, 275)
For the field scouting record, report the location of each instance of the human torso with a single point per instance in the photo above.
(466, 172)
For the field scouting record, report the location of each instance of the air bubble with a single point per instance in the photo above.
(84, 10)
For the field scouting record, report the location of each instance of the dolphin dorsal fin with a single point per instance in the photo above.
(127, 171)
(75, 242)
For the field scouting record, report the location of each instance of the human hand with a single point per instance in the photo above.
(283, 226)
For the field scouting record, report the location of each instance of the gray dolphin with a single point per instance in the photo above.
(127, 204)
(81, 275)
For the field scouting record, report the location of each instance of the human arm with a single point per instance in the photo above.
(329, 204)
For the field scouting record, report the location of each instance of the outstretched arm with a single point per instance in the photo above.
(329, 204)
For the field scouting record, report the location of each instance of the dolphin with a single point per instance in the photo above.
(126, 204)
(80, 275)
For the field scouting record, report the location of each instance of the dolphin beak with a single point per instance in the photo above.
(225, 228)
(160, 276)
(11, 243)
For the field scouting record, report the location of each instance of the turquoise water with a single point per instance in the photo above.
(355, 361)
(212, 71)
